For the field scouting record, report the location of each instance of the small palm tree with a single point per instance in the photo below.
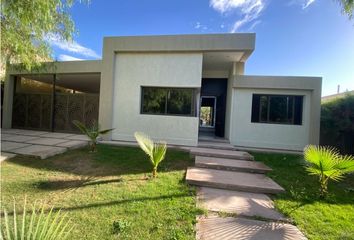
(39, 225)
(328, 164)
(92, 132)
(156, 151)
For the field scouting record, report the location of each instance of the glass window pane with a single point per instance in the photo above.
(277, 109)
(263, 108)
(154, 100)
(179, 101)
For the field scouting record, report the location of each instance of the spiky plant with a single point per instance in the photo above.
(328, 164)
(93, 132)
(155, 151)
(38, 226)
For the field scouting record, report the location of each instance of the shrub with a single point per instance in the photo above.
(92, 132)
(328, 164)
(39, 226)
(155, 151)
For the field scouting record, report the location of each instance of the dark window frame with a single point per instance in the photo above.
(296, 112)
(193, 101)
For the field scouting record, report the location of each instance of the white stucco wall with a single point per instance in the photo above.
(134, 70)
(265, 135)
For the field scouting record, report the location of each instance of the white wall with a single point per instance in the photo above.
(265, 135)
(133, 70)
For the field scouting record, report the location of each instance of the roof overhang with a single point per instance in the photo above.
(229, 45)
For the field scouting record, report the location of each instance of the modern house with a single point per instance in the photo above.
(176, 88)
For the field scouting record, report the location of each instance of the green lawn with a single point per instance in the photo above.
(96, 189)
(332, 218)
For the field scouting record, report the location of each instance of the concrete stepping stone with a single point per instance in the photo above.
(209, 152)
(9, 130)
(6, 155)
(73, 144)
(10, 146)
(247, 182)
(231, 164)
(47, 141)
(216, 145)
(57, 135)
(229, 228)
(240, 203)
(20, 138)
(78, 137)
(40, 151)
(30, 132)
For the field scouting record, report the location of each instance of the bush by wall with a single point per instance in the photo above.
(337, 124)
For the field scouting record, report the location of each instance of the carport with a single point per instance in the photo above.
(51, 100)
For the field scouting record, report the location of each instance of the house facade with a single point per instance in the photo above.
(178, 88)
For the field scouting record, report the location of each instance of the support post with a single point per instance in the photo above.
(52, 115)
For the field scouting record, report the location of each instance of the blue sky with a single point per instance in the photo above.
(294, 37)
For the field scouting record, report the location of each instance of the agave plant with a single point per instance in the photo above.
(155, 151)
(328, 164)
(38, 226)
(92, 132)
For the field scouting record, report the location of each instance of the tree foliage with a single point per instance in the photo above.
(347, 7)
(26, 25)
(337, 123)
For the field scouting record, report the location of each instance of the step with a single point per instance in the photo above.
(239, 181)
(208, 152)
(239, 203)
(216, 145)
(229, 228)
(231, 164)
(211, 139)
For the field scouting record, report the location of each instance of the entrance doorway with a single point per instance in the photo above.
(212, 107)
(207, 112)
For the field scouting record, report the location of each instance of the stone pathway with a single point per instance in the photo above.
(38, 143)
(231, 184)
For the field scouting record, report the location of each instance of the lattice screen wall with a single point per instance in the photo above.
(33, 111)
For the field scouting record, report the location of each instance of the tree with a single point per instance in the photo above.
(347, 7)
(25, 26)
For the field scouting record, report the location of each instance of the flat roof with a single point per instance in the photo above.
(225, 42)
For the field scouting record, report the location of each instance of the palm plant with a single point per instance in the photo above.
(328, 164)
(39, 226)
(155, 151)
(92, 132)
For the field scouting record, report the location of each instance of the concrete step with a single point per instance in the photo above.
(239, 181)
(239, 203)
(207, 152)
(216, 145)
(229, 228)
(211, 139)
(231, 164)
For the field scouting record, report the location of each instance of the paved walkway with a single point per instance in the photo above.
(38, 143)
(230, 182)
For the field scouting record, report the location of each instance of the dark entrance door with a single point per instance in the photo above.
(216, 87)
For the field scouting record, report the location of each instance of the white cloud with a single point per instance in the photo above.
(303, 3)
(307, 3)
(73, 46)
(64, 57)
(200, 26)
(250, 10)
(252, 27)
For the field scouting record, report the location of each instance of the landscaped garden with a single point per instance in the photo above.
(108, 194)
(318, 218)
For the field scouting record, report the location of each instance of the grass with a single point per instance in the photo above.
(330, 218)
(108, 194)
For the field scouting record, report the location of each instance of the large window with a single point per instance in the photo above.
(277, 109)
(167, 101)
